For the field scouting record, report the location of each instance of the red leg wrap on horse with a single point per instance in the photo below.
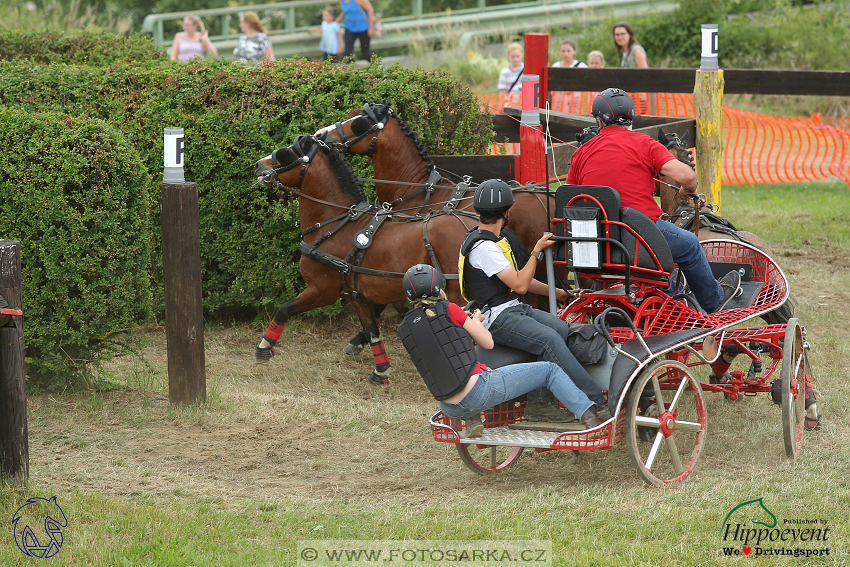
(810, 394)
(380, 353)
(274, 331)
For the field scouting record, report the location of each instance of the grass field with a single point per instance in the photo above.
(304, 449)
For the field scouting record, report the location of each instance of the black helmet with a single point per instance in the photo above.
(613, 106)
(422, 280)
(493, 195)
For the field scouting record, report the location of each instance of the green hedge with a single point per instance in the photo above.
(78, 197)
(232, 116)
(94, 48)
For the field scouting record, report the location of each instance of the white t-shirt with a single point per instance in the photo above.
(488, 257)
(576, 64)
(509, 77)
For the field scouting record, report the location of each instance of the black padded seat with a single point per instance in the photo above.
(501, 355)
(647, 230)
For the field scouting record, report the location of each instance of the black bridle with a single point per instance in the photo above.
(376, 127)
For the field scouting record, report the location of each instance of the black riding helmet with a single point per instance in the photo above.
(422, 280)
(613, 106)
(493, 196)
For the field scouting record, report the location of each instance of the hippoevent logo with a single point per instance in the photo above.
(46, 540)
(750, 528)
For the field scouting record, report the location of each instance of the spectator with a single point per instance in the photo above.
(331, 43)
(359, 18)
(633, 53)
(193, 41)
(255, 45)
(510, 79)
(568, 50)
(595, 60)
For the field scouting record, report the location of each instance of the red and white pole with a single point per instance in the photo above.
(531, 163)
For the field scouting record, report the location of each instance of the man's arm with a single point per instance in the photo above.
(682, 174)
(519, 281)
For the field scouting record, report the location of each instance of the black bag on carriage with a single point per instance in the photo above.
(586, 343)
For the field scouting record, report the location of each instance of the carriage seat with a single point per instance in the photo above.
(586, 202)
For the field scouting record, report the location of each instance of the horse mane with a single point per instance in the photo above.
(420, 146)
(345, 174)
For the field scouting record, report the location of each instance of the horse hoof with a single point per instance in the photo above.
(377, 380)
(263, 354)
(352, 349)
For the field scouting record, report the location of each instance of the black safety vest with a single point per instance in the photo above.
(474, 283)
(442, 351)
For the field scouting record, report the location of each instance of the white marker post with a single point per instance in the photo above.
(181, 262)
(709, 48)
(173, 149)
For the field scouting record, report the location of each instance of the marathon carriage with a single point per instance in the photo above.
(655, 341)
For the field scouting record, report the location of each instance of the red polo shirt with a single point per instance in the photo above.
(625, 160)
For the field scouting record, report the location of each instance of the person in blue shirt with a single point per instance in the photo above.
(359, 18)
(331, 42)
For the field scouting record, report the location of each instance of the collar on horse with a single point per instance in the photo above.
(377, 125)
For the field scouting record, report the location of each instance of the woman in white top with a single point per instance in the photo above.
(193, 41)
(568, 50)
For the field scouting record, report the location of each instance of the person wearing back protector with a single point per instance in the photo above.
(488, 274)
(438, 336)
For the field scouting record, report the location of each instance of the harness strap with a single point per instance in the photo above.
(434, 261)
(341, 265)
(457, 195)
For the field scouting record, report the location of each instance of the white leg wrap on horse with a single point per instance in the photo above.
(264, 343)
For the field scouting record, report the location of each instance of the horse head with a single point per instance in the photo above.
(360, 125)
(289, 166)
(678, 147)
(282, 161)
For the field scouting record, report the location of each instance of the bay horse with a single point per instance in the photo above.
(407, 180)
(684, 215)
(343, 251)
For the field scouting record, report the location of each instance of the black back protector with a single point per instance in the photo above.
(442, 351)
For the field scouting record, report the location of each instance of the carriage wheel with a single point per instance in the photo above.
(793, 376)
(676, 433)
(488, 458)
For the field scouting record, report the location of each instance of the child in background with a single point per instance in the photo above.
(331, 42)
(595, 59)
(510, 79)
(568, 50)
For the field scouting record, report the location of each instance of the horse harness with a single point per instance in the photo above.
(377, 126)
(351, 264)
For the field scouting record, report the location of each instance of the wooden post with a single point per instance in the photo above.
(708, 97)
(181, 259)
(14, 438)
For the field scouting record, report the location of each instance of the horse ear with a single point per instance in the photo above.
(662, 137)
(685, 138)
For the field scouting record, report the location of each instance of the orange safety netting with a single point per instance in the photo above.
(757, 148)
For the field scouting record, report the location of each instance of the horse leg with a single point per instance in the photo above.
(366, 313)
(307, 300)
(355, 346)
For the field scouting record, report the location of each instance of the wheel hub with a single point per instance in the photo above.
(667, 423)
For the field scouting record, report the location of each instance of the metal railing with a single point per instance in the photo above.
(290, 22)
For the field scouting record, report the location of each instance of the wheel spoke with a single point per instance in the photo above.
(659, 397)
(674, 454)
(688, 426)
(652, 452)
(648, 421)
(678, 393)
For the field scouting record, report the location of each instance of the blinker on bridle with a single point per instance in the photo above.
(377, 125)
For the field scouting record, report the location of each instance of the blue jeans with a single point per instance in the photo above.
(543, 334)
(502, 384)
(688, 254)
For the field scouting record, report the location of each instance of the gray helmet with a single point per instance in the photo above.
(613, 106)
(422, 280)
(493, 196)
